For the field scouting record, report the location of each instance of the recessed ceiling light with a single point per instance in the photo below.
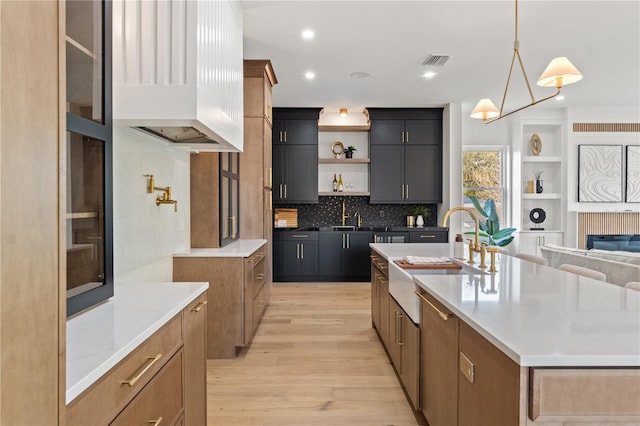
(429, 74)
(559, 98)
(307, 34)
(359, 74)
(310, 75)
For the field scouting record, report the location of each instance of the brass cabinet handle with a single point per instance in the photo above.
(399, 317)
(260, 276)
(467, 368)
(438, 311)
(406, 194)
(155, 422)
(427, 236)
(407, 138)
(150, 362)
(285, 185)
(301, 236)
(260, 255)
(285, 139)
(382, 266)
(199, 307)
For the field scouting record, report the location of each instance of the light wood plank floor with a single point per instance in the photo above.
(315, 360)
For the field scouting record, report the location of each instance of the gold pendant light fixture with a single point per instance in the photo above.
(559, 72)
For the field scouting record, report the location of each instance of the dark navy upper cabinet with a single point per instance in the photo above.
(295, 155)
(406, 155)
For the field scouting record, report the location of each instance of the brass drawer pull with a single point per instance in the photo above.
(260, 276)
(260, 255)
(199, 307)
(150, 362)
(301, 236)
(439, 312)
(467, 368)
(155, 422)
(427, 236)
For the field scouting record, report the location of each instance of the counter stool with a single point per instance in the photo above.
(585, 272)
(532, 258)
(633, 285)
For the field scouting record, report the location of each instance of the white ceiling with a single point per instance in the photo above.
(391, 39)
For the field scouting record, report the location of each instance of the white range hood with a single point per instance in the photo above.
(177, 71)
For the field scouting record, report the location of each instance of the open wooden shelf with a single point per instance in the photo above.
(344, 194)
(356, 128)
(343, 160)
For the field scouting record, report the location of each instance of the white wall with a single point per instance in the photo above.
(145, 235)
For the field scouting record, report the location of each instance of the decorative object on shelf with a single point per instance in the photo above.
(537, 216)
(340, 184)
(531, 189)
(166, 193)
(337, 148)
(411, 220)
(633, 174)
(559, 72)
(421, 213)
(536, 144)
(490, 231)
(335, 183)
(600, 173)
(348, 153)
(539, 186)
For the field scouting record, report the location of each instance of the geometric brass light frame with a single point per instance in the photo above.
(559, 72)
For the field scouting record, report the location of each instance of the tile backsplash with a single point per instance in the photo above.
(329, 209)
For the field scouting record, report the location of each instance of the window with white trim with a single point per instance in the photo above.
(483, 176)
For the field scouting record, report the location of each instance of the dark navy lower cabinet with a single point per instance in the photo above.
(345, 255)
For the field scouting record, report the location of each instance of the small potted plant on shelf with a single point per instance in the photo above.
(421, 213)
(348, 152)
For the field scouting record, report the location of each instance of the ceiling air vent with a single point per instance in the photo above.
(437, 60)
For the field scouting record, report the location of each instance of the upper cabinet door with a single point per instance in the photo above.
(387, 174)
(423, 132)
(300, 132)
(387, 132)
(423, 173)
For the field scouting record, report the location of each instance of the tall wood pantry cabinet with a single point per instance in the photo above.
(32, 282)
(256, 213)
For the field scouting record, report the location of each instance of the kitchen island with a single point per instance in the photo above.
(531, 343)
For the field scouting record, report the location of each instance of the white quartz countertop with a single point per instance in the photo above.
(102, 336)
(240, 248)
(537, 315)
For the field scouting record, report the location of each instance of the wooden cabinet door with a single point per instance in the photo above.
(277, 174)
(423, 173)
(423, 132)
(387, 173)
(301, 174)
(385, 307)
(375, 297)
(395, 336)
(386, 132)
(439, 363)
(410, 375)
(195, 362)
(493, 397)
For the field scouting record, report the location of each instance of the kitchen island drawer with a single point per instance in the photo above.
(105, 398)
(160, 402)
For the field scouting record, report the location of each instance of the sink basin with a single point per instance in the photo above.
(343, 228)
(466, 270)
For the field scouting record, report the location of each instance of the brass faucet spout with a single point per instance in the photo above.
(476, 245)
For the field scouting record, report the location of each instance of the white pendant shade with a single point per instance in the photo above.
(558, 73)
(485, 109)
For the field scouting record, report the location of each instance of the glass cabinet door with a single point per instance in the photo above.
(89, 231)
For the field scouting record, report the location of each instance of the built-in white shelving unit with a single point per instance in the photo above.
(355, 171)
(552, 199)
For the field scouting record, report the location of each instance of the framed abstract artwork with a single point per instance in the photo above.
(633, 174)
(600, 173)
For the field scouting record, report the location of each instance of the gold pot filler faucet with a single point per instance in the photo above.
(475, 246)
(165, 198)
